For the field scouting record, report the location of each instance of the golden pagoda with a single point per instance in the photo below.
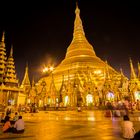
(80, 78)
(10, 74)
(2, 58)
(9, 84)
(134, 83)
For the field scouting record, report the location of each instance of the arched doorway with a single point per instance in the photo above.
(137, 95)
(89, 100)
(110, 96)
(66, 100)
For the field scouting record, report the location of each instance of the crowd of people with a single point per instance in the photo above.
(123, 109)
(13, 124)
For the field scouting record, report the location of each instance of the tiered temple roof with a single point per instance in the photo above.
(81, 60)
(9, 86)
(2, 58)
(26, 80)
(10, 72)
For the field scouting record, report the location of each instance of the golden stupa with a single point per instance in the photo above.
(81, 75)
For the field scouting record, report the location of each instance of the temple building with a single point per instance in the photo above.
(10, 91)
(82, 78)
(134, 83)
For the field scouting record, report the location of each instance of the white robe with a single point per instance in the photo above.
(128, 130)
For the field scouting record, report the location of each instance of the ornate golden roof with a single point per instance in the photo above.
(10, 73)
(132, 71)
(26, 80)
(79, 44)
(80, 52)
(80, 58)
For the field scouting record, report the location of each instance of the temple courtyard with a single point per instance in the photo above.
(69, 125)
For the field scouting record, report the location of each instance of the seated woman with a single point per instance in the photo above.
(19, 125)
(7, 126)
(128, 130)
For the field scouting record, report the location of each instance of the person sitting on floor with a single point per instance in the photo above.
(128, 130)
(15, 118)
(19, 125)
(2, 118)
(7, 126)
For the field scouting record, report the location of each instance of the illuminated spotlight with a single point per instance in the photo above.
(97, 72)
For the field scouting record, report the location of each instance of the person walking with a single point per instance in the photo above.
(128, 130)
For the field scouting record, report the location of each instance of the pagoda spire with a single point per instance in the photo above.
(2, 58)
(132, 71)
(2, 43)
(79, 45)
(11, 51)
(62, 84)
(121, 78)
(3, 37)
(121, 71)
(10, 72)
(138, 70)
(26, 81)
(78, 33)
(33, 82)
(53, 91)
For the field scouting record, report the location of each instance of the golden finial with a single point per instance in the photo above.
(106, 62)
(11, 51)
(138, 70)
(132, 71)
(121, 71)
(3, 36)
(77, 10)
(130, 60)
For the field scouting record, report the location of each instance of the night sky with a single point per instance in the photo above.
(41, 32)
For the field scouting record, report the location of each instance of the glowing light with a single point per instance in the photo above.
(66, 100)
(48, 69)
(57, 100)
(97, 72)
(110, 95)
(89, 99)
(40, 103)
(28, 101)
(67, 118)
(91, 118)
(51, 68)
(137, 95)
